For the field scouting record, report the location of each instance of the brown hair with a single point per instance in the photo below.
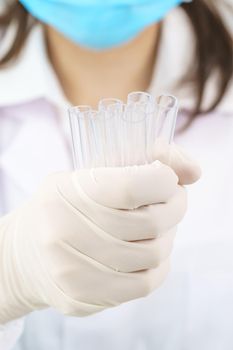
(214, 49)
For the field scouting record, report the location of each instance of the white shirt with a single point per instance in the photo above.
(194, 308)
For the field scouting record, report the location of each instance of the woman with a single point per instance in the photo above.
(80, 53)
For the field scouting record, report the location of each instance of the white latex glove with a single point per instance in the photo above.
(90, 240)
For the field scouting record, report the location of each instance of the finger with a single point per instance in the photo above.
(138, 284)
(127, 188)
(68, 226)
(127, 225)
(83, 279)
(187, 169)
(165, 216)
(147, 222)
(116, 254)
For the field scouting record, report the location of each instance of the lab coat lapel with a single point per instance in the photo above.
(39, 148)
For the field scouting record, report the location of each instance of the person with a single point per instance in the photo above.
(73, 241)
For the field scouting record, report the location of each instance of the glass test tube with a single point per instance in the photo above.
(119, 134)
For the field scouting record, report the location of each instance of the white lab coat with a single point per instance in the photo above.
(194, 308)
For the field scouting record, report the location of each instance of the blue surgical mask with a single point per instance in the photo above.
(99, 24)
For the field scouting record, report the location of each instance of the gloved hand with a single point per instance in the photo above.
(91, 239)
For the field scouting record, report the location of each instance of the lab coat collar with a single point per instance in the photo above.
(32, 76)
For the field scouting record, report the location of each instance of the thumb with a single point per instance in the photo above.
(186, 168)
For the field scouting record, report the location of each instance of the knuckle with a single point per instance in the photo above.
(127, 193)
(158, 252)
(164, 250)
(155, 258)
(148, 283)
(123, 194)
(153, 278)
(154, 221)
(158, 257)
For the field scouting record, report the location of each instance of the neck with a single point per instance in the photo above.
(87, 76)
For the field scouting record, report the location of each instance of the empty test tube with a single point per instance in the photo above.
(119, 134)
